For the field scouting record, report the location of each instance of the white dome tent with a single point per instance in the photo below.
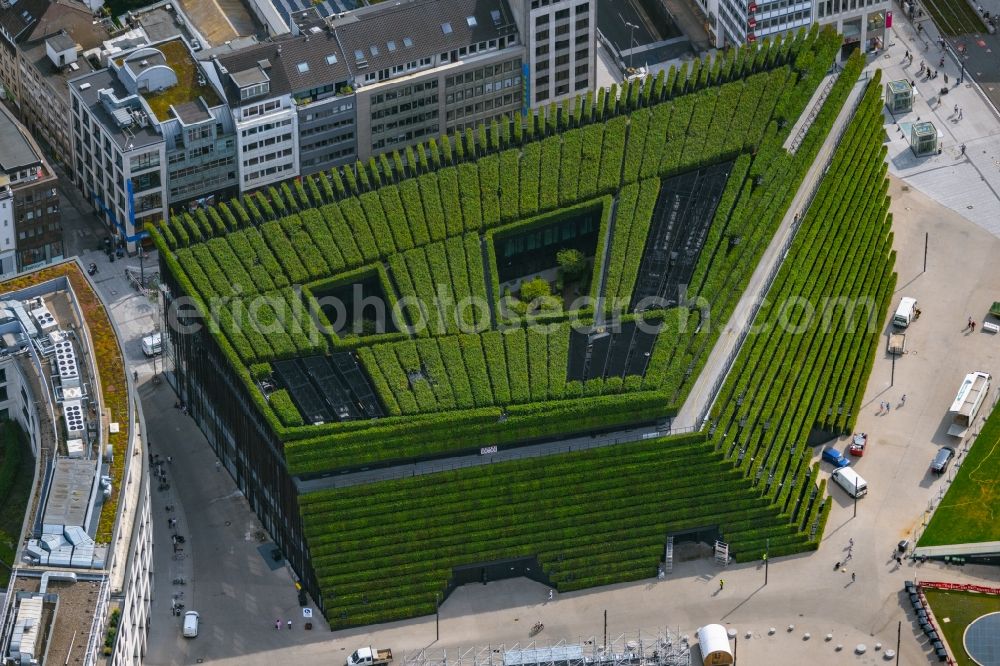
(713, 641)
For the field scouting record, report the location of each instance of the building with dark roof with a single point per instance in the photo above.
(30, 220)
(50, 55)
(151, 132)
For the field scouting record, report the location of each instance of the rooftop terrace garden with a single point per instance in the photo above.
(110, 370)
(188, 88)
(681, 179)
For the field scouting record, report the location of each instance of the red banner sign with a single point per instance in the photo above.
(959, 587)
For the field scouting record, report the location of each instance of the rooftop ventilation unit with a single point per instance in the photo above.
(73, 415)
(46, 322)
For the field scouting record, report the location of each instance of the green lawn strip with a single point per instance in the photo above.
(968, 511)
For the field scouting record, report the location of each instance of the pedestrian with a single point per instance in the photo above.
(218, 466)
(956, 112)
(836, 567)
(907, 55)
(135, 375)
(946, 79)
(960, 117)
(902, 401)
(854, 576)
(277, 625)
(963, 148)
(722, 583)
(170, 459)
(968, 323)
(941, 62)
(973, 325)
(289, 625)
(850, 544)
(551, 594)
(888, 407)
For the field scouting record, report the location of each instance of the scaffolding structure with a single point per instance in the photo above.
(662, 647)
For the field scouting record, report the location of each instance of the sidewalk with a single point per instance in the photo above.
(968, 184)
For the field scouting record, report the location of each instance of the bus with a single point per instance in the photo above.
(971, 395)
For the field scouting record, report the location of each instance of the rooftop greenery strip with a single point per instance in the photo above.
(384, 551)
(187, 89)
(110, 369)
(967, 514)
(819, 325)
(269, 244)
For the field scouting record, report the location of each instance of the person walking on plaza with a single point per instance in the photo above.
(289, 625)
(963, 148)
(277, 625)
(854, 576)
(722, 583)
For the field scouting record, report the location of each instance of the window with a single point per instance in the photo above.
(303, 67)
(541, 20)
(374, 50)
(446, 28)
(580, 9)
(391, 45)
(471, 20)
(407, 42)
(562, 14)
(331, 59)
(255, 90)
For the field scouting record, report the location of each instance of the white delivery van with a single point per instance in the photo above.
(191, 624)
(905, 313)
(152, 344)
(850, 481)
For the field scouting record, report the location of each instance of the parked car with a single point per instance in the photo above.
(835, 458)
(942, 459)
(191, 621)
(858, 443)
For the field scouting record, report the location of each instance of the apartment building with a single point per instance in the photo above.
(293, 106)
(424, 68)
(861, 22)
(30, 220)
(560, 50)
(75, 595)
(151, 133)
(53, 53)
(17, 20)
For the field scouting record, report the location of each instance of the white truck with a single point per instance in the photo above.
(971, 394)
(906, 312)
(367, 656)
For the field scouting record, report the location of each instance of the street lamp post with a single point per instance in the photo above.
(856, 497)
(767, 559)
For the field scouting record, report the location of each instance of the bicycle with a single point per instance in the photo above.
(536, 628)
